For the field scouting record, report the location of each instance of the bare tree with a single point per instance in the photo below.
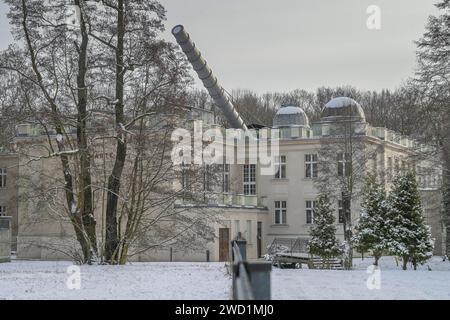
(53, 64)
(343, 160)
(86, 78)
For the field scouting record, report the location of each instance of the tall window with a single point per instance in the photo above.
(310, 205)
(403, 166)
(249, 231)
(280, 212)
(311, 165)
(2, 178)
(184, 176)
(226, 178)
(344, 165)
(2, 211)
(237, 228)
(206, 178)
(396, 166)
(280, 164)
(249, 179)
(340, 211)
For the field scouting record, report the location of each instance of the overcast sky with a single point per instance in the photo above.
(268, 45)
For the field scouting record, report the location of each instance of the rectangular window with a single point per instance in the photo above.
(389, 167)
(310, 205)
(280, 165)
(249, 179)
(344, 165)
(184, 176)
(2, 178)
(280, 212)
(206, 178)
(396, 166)
(340, 211)
(226, 178)
(420, 176)
(311, 166)
(2, 211)
(249, 231)
(237, 228)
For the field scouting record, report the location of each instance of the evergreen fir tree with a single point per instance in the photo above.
(371, 233)
(323, 242)
(410, 238)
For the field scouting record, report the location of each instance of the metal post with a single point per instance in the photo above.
(207, 256)
(242, 245)
(171, 254)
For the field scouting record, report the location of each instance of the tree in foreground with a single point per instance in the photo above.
(410, 237)
(323, 242)
(433, 80)
(372, 231)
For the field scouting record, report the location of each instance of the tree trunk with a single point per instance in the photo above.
(446, 194)
(377, 257)
(112, 234)
(75, 217)
(86, 205)
(346, 202)
(405, 262)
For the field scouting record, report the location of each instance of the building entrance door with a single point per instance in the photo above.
(224, 244)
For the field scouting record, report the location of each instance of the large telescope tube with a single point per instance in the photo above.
(210, 82)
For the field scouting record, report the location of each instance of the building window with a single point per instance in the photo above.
(403, 167)
(310, 205)
(206, 178)
(344, 165)
(311, 165)
(237, 228)
(226, 178)
(2, 211)
(2, 178)
(249, 231)
(389, 167)
(184, 176)
(340, 211)
(280, 212)
(249, 179)
(396, 166)
(375, 165)
(420, 176)
(280, 164)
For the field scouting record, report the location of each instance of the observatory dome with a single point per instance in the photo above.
(288, 116)
(343, 108)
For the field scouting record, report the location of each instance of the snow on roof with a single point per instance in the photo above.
(340, 102)
(289, 110)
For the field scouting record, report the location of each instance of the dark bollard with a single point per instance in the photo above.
(242, 245)
(171, 254)
(260, 279)
(207, 256)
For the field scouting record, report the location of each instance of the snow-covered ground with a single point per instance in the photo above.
(176, 280)
(206, 281)
(339, 284)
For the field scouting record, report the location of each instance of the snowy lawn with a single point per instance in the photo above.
(340, 284)
(176, 280)
(207, 281)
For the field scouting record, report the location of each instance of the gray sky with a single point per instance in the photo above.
(268, 45)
